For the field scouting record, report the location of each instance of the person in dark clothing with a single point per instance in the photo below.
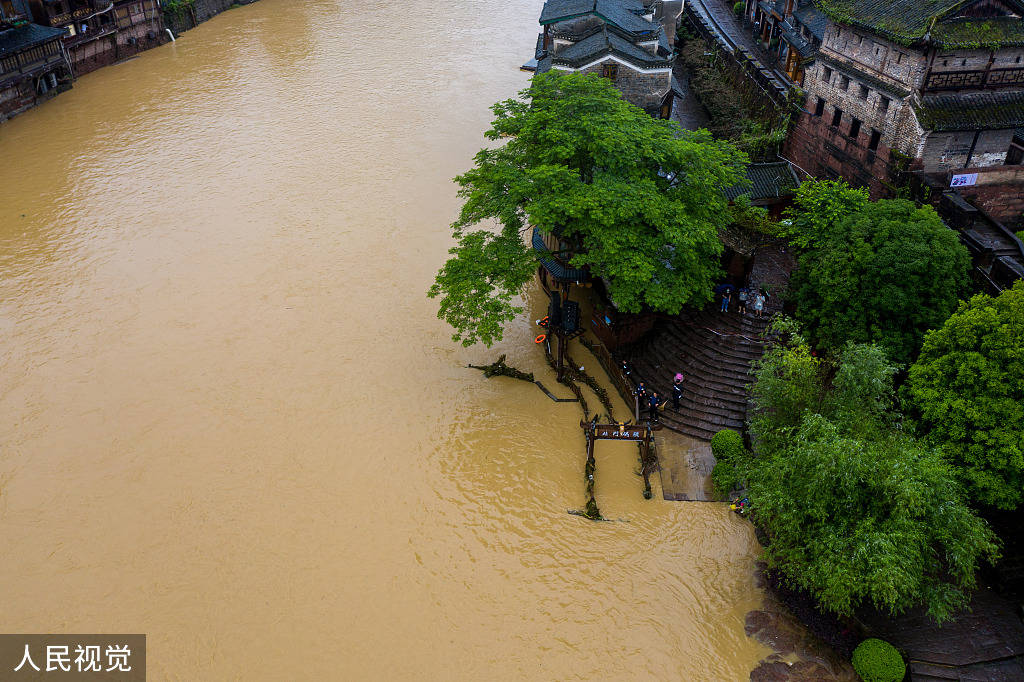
(677, 392)
(625, 368)
(654, 401)
(641, 392)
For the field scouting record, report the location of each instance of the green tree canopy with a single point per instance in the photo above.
(635, 199)
(868, 521)
(884, 271)
(967, 389)
(857, 511)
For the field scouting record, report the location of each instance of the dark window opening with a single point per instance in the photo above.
(844, 82)
(837, 117)
(863, 92)
(899, 57)
(883, 103)
(826, 74)
(876, 137)
(819, 108)
(854, 128)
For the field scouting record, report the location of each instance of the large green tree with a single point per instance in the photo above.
(857, 512)
(885, 271)
(871, 521)
(967, 389)
(635, 199)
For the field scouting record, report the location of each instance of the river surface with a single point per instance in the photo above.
(230, 419)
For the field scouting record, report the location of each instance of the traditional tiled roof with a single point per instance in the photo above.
(607, 42)
(971, 111)
(21, 38)
(767, 181)
(623, 13)
(970, 33)
(558, 271)
(813, 18)
(909, 21)
(799, 43)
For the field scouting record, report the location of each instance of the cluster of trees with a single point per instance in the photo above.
(857, 510)
(637, 200)
(870, 495)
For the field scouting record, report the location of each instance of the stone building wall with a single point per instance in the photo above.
(646, 89)
(954, 151)
(201, 11)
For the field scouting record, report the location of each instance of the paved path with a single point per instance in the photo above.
(685, 464)
(688, 110)
(732, 28)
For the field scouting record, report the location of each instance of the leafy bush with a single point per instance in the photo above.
(878, 661)
(730, 455)
(738, 9)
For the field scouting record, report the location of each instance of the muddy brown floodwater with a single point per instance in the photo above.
(229, 417)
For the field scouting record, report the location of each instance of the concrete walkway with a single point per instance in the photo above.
(722, 17)
(685, 465)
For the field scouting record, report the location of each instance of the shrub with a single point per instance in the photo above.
(738, 9)
(727, 447)
(878, 661)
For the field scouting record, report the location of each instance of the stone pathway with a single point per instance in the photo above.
(685, 465)
(687, 111)
(723, 18)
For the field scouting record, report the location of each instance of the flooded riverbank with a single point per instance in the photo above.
(231, 420)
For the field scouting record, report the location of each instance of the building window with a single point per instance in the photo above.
(610, 71)
(819, 108)
(844, 82)
(826, 74)
(854, 128)
(863, 92)
(837, 117)
(883, 103)
(876, 137)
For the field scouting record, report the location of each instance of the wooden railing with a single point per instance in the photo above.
(621, 382)
(990, 78)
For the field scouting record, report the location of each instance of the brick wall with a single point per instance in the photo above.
(999, 192)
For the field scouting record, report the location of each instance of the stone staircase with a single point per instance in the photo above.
(714, 352)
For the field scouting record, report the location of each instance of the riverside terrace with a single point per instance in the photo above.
(627, 41)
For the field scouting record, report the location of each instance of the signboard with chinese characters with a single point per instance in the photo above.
(963, 180)
(619, 432)
(106, 658)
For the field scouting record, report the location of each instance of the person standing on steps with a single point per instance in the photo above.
(726, 296)
(744, 294)
(677, 391)
(641, 393)
(654, 402)
(758, 304)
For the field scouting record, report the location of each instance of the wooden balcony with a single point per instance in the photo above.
(963, 80)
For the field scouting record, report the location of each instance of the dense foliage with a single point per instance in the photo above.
(883, 272)
(635, 199)
(730, 460)
(878, 661)
(857, 511)
(967, 389)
